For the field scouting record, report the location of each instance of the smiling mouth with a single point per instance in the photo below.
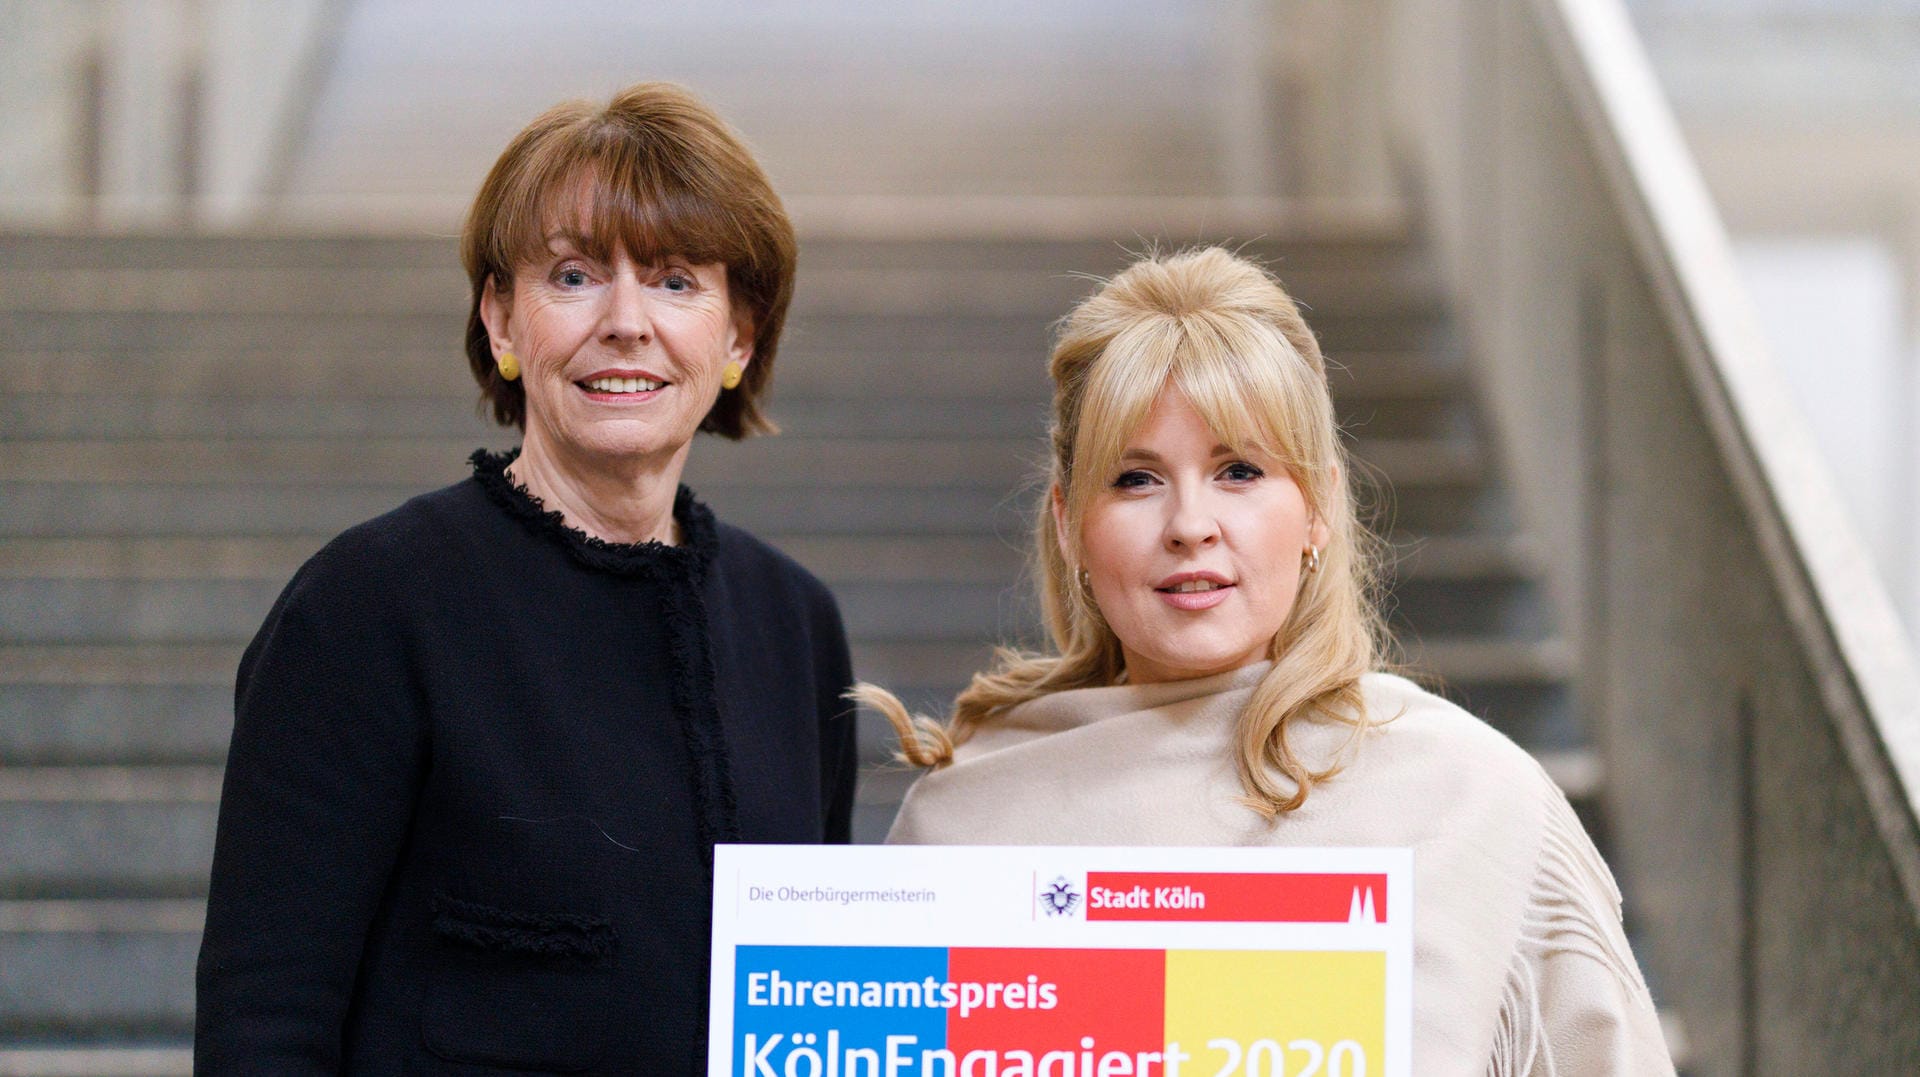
(1192, 587)
(621, 385)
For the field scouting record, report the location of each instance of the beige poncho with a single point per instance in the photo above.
(1520, 964)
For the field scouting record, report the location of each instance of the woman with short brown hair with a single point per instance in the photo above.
(652, 170)
(484, 744)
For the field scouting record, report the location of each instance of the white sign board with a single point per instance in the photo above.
(946, 961)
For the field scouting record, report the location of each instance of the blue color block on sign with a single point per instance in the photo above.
(873, 992)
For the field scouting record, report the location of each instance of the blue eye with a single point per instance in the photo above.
(1241, 471)
(572, 278)
(677, 282)
(1130, 480)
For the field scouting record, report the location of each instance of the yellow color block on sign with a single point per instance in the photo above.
(1302, 1004)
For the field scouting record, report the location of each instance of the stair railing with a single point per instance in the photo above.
(1739, 663)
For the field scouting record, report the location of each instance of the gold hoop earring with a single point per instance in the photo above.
(509, 366)
(730, 376)
(1313, 560)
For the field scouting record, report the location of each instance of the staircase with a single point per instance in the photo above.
(186, 420)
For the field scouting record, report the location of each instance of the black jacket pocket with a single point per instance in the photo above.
(517, 989)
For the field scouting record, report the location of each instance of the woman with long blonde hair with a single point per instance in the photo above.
(1216, 678)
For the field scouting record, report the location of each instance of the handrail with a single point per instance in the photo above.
(1846, 620)
(1755, 702)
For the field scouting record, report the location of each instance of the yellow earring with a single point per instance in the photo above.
(730, 376)
(509, 366)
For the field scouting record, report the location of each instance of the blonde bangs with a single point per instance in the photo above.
(1248, 383)
(1121, 388)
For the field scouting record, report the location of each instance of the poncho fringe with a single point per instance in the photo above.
(1571, 883)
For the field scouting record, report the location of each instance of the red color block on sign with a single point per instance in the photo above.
(1117, 998)
(1277, 898)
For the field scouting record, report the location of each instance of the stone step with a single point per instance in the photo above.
(1406, 419)
(1468, 663)
(72, 724)
(65, 916)
(98, 417)
(225, 557)
(170, 1057)
(1394, 508)
(106, 830)
(161, 251)
(91, 969)
(141, 508)
(1508, 607)
(119, 664)
(81, 611)
(1539, 714)
(1459, 556)
(295, 369)
(207, 334)
(119, 289)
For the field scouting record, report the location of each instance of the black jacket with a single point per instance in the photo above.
(479, 762)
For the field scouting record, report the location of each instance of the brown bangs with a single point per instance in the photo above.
(616, 200)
